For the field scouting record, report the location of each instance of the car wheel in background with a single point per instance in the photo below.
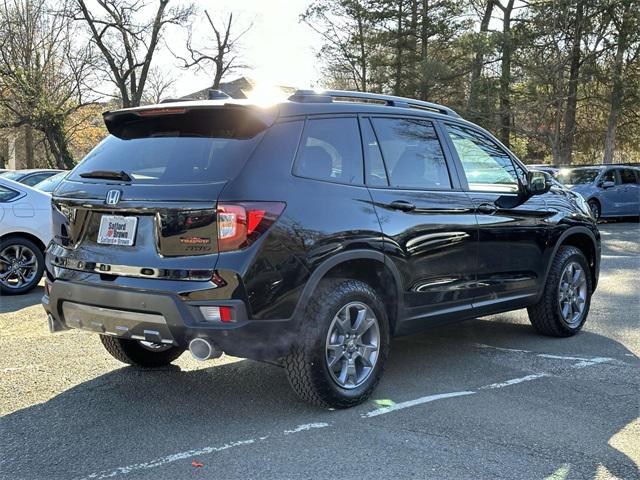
(140, 353)
(594, 205)
(21, 265)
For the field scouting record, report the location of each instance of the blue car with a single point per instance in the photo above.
(610, 191)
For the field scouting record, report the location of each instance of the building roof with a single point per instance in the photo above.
(238, 88)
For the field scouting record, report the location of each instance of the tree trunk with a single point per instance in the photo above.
(617, 88)
(473, 104)
(397, 88)
(28, 146)
(363, 53)
(58, 145)
(412, 47)
(424, 51)
(572, 89)
(217, 78)
(505, 76)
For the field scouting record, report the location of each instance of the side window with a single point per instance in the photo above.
(609, 176)
(486, 166)
(375, 172)
(331, 150)
(7, 194)
(412, 153)
(35, 179)
(627, 175)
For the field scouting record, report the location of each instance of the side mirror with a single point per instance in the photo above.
(537, 182)
(608, 184)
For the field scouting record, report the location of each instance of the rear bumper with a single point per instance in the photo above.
(162, 317)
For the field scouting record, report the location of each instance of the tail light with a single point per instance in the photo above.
(241, 224)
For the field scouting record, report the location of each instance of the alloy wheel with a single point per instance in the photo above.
(18, 266)
(352, 345)
(572, 293)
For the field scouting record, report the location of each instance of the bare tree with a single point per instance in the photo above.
(626, 23)
(159, 86)
(127, 41)
(344, 26)
(478, 62)
(44, 76)
(223, 56)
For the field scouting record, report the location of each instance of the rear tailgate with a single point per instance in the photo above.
(162, 213)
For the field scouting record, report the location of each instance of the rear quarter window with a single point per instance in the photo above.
(331, 150)
(7, 194)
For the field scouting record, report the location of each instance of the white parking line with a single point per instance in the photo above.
(305, 427)
(159, 462)
(582, 361)
(515, 381)
(592, 361)
(413, 403)
(502, 349)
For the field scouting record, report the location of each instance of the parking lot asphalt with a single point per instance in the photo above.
(487, 398)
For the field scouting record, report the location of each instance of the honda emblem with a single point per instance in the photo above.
(113, 197)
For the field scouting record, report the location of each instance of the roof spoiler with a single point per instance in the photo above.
(115, 119)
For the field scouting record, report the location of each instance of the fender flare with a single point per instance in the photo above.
(360, 254)
(567, 233)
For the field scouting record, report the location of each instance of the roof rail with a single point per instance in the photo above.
(328, 96)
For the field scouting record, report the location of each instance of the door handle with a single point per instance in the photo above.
(402, 205)
(486, 208)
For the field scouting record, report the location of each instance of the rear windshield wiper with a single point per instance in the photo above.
(107, 175)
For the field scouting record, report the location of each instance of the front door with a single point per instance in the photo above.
(513, 234)
(611, 196)
(428, 222)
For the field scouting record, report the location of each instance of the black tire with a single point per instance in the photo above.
(306, 365)
(546, 316)
(596, 211)
(132, 352)
(39, 268)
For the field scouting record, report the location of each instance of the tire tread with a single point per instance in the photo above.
(131, 353)
(544, 315)
(303, 373)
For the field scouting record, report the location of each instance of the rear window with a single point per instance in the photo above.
(15, 176)
(200, 146)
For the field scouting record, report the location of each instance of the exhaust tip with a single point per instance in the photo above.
(51, 323)
(202, 349)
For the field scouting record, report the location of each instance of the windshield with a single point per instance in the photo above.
(198, 147)
(578, 176)
(49, 185)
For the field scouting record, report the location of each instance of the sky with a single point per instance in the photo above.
(279, 49)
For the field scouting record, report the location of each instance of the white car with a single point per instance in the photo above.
(25, 232)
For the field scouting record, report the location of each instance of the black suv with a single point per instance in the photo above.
(311, 232)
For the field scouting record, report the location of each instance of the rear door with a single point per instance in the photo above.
(143, 202)
(428, 222)
(630, 191)
(512, 234)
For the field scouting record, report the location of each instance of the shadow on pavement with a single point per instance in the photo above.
(129, 415)
(13, 303)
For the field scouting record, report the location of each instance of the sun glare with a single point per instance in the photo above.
(265, 94)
